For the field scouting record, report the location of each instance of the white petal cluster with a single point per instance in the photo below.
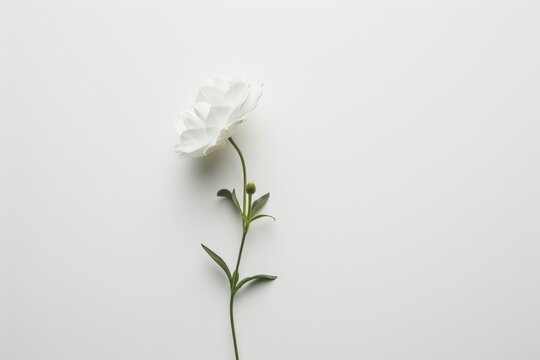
(219, 108)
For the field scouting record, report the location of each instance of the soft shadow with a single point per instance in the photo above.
(200, 176)
(217, 277)
(206, 175)
(208, 167)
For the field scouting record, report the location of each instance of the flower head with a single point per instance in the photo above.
(220, 107)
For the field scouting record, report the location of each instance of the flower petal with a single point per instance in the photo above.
(221, 139)
(199, 135)
(221, 83)
(211, 95)
(254, 95)
(236, 95)
(218, 116)
(194, 141)
(188, 120)
(201, 110)
(192, 150)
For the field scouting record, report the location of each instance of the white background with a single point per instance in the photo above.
(399, 140)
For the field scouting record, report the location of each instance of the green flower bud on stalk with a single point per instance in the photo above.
(250, 188)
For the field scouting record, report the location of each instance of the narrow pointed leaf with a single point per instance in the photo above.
(231, 196)
(218, 261)
(262, 216)
(235, 202)
(259, 203)
(255, 278)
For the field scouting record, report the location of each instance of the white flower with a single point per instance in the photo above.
(219, 109)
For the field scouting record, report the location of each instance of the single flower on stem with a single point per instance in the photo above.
(208, 126)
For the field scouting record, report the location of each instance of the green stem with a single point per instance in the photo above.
(233, 293)
(244, 173)
(249, 207)
(240, 252)
(231, 306)
(245, 227)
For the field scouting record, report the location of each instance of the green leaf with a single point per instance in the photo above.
(259, 203)
(231, 196)
(224, 193)
(218, 261)
(235, 278)
(255, 278)
(235, 202)
(262, 216)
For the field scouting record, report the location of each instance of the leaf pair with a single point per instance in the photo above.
(233, 279)
(256, 206)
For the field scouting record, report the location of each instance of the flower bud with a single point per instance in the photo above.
(250, 188)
